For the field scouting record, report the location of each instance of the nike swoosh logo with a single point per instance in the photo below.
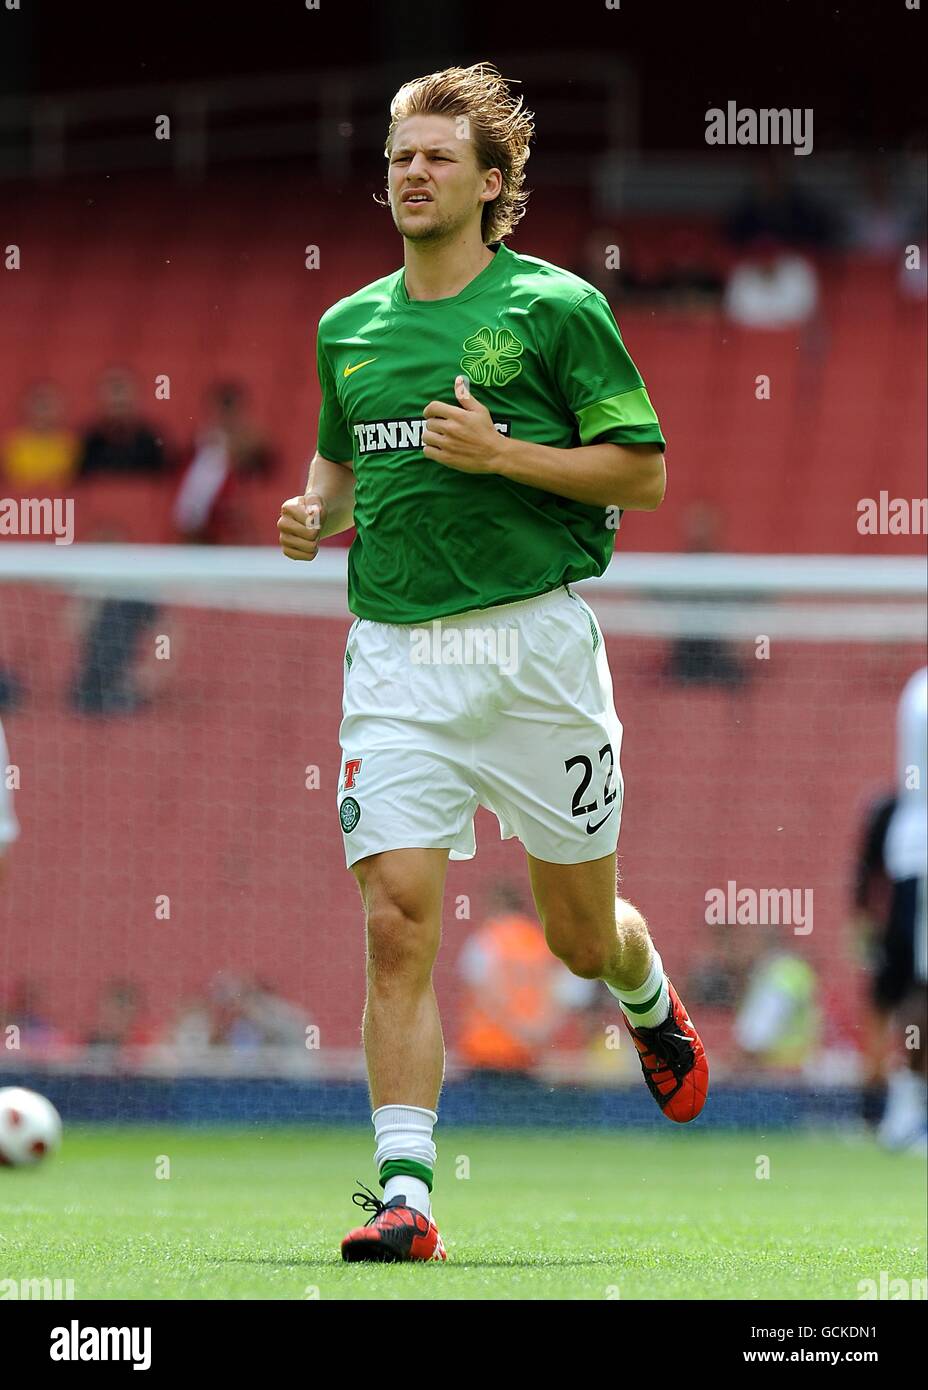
(591, 829)
(359, 365)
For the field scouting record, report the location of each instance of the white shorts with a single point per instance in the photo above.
(509, 707)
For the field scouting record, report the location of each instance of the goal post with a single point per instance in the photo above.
(172, 719)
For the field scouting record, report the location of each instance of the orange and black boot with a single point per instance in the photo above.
(394, 1232)
(674, 1062)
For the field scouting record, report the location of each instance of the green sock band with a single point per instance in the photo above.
(643, 1008)
(406, 1167)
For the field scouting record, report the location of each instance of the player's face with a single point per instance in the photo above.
(434, 183)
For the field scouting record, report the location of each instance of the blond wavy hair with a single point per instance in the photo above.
(498, 124)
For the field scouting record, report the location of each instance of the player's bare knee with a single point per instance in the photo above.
(588, 965)
(399, 946)
(585, 958)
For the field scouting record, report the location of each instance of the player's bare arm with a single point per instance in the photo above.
(463, 436)
(325, 509)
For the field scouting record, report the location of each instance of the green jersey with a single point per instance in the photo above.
(543, 353)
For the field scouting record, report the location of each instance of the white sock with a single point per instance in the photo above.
(904, 1118)
(413, 1191)
(652, 993)
(404, 1133)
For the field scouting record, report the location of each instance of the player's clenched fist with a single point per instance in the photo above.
(462, 436)
(300, 525)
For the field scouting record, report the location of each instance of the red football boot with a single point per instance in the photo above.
(674, 1063)
(394, 1232)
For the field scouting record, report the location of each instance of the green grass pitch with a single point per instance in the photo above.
(542, 1215)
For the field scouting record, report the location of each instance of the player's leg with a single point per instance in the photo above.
(602, 937)
(888, 985)
(874, 1026)
(583, 925)
(550, 770)
(404, 803)
(402, 895)
(905, 1121)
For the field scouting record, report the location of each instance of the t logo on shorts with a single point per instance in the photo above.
(352, 768)
(349, 813)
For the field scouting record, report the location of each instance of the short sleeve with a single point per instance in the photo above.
(334, 438)
(599, 381)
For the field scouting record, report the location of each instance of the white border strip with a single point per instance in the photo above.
(705, 575)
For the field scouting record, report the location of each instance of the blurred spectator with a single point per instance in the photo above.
(24, 1010)
(599, 262)
(231, 1024)
(282, 1023)
(121, 1020)
(675, 271)
(192, 1030)
(240, 1013)
(880, 222)
(645, 277)
(210, 507)
(771, 287)
(776, 207)
(120, 441)
(41, 451)
(702, 660)
(716, 981)
(694, 281)
(104, 682)
(517, 994)
(11, 690)
(768, 992)
(110, 631)
(778, 1023)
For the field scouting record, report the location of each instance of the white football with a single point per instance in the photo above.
(30, 1127)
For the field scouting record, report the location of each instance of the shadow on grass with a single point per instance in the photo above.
(526, 1261)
